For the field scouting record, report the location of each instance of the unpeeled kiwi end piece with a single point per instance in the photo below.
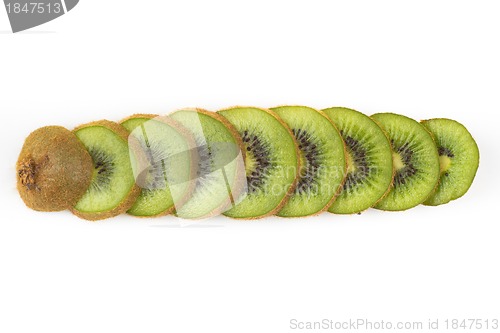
(53, 169)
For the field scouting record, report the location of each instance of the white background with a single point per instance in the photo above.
(109, 59)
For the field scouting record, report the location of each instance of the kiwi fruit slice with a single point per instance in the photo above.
(112, 190)
(322, 160)
(458, 159)
(369, 161)
(163, 159)
(221, 172)
(53, 169)
(271, 163)
(415, 161)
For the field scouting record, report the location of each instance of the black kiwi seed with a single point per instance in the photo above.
(260, 151)
(409, 169)
(104, 166)
(205, 162)
(443, 151)
(156, 179)
(306, 144)
(358, 154)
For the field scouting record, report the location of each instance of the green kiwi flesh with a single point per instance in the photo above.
(53, 169)
(322, 157)
(369, 161)
(165, 171)
(271, 161)
(415, 161)
(112, 190)
(458, 159)
(220, 173)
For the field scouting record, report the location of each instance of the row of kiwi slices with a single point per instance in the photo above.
(247, 163)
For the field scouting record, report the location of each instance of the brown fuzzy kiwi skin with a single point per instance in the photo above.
(240, 183)
(194, 157)
(134, 191)
(339, 189)
(53, 170)
(292, 187)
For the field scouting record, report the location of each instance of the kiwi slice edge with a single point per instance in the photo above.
(130, 123)
(372, 147)
(128, 199)
(458, 164)
(138, 209)
(297, 164)
(416, 177)
(234, 186)
(291, 113)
